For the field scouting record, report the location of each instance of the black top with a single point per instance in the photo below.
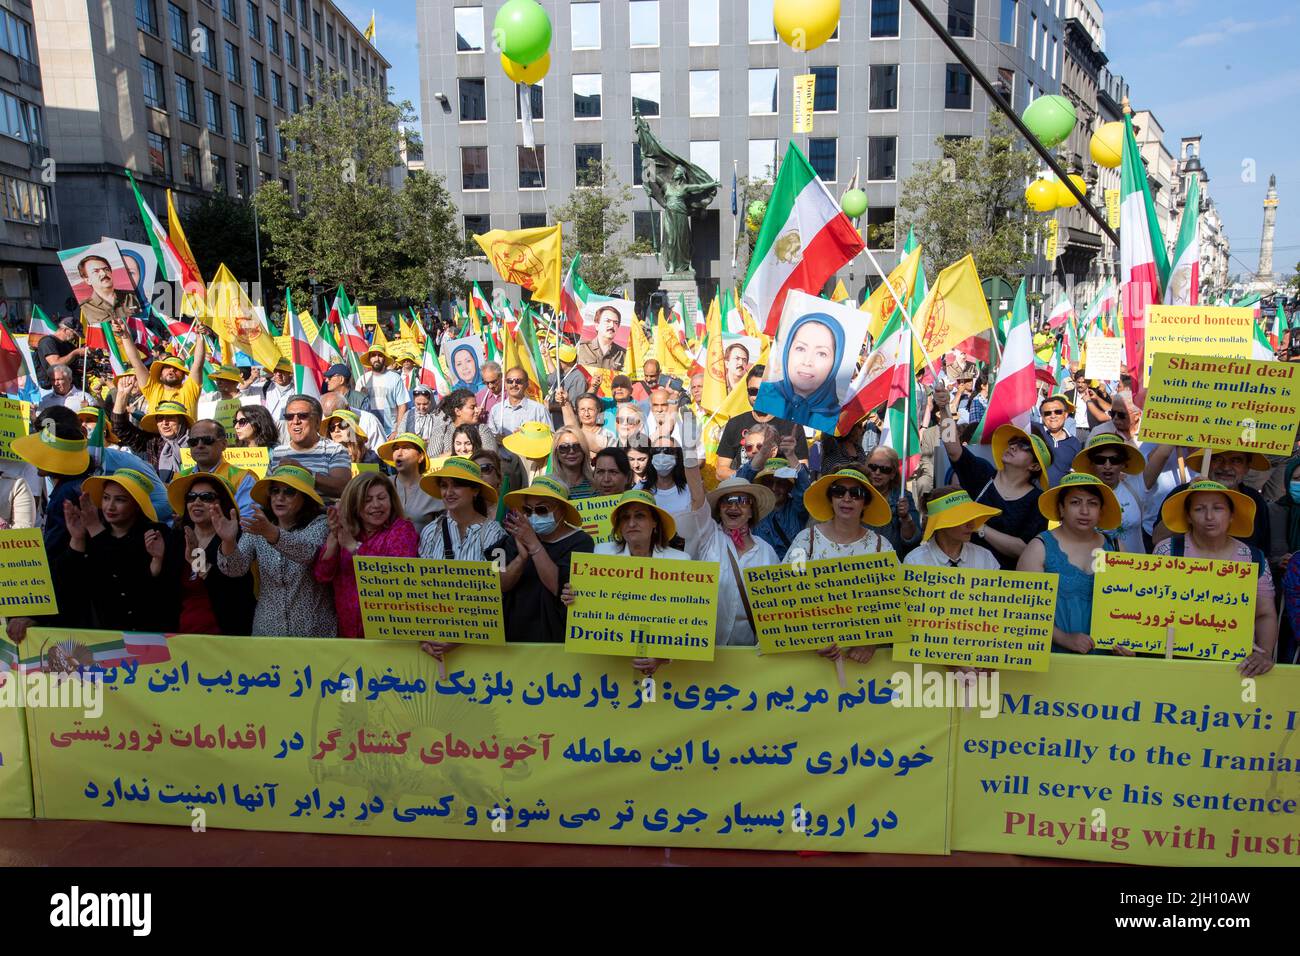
(1019, 518)
(232, 599)
(739, 426)
(114, 574)
(53, 345)
(533, 613)
(1262, 536)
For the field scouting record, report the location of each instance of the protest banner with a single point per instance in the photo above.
(805, 86)
(518, 743)
(595, 514)
(642, 607)
(15, 772)
(25, 585)
(256, 460)
(962, 616)
(369, 314)
(1130, 760)
(409, 599)
(14, 418)
(224, 412)
(807, 605)
(1226, 404)
(1192, 607)
(1105, 356)
(1214, 330)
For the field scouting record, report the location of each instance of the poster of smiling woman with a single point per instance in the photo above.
(464, 358)
(812, 360)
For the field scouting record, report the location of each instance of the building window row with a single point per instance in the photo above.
(24, 201)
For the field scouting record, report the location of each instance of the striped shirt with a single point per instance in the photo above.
(319, 459)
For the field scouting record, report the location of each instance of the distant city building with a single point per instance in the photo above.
(1215, 249)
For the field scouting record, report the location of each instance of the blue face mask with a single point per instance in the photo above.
(542, 524)
(1295, 491)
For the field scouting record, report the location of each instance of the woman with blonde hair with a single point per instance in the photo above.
(571, 461)
(884, 469)
(368, 521)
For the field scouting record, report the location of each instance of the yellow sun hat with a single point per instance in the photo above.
(954, 510)
(1174, 516)
(458, 469)
(295, 476)
(875, 511)
(1111, 513)
(533, 440)
(547, 486)
(138, 486)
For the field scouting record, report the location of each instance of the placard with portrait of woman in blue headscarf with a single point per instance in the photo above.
(811, 363)
(464, 358)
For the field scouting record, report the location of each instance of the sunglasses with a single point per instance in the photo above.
(516, 381)
(205, 496)
(663, 451)
(857, 492)
(488, 469)
(752, 392)
(737, 500)
(568, 449)
(1109, 460)
(282, 491)
(1053, 412)
(203, 441)
(242, 421)
(881, 469)
(297, 416)
(1020, 444)
(540, 511)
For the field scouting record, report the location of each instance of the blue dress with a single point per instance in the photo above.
(1073, 589)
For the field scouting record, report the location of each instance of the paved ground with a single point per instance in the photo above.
(78, 843)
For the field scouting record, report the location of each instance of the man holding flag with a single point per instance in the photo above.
(168, 380)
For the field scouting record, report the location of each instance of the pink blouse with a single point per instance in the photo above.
(398, 540)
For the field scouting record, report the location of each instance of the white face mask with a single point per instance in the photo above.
(663, 464)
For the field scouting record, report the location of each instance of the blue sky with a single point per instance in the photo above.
(1225, 71)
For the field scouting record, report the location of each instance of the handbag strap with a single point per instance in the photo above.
(740, 587)
(447, 552)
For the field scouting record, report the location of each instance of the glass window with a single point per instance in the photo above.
(254, 21)
(233, 72)
(882, 158)
(1043, 44)
(961, 18)
(473, 167)
(16, 36)
(532, 220)
(535, 103)
(645, 225)
(306, 60)
(884, 18)
(532, 167)
(294, 102)
(316, 25)
(190, 165)
(476, 226)
(146, 15)
(883, 89)
(237, 130)
(586, 95)
(822, 154)
(703, 26)
(1053, 60)
(218, 164)
(329, 37)
(586, 163)
(1006, 84)
(243, 181)
(185, 105)
(762, 91)
(212, 106)
(762, 159)
(160, 155)
(707, 154)
(473, 99)
(636, 164)
(230, 11)
(283, 145)
(178, 28)
(880, 227)
(152, 75)
(273, 35)
(645, 93)
(643, 22)
(263, 134)
(208, 51)
(761, 28)
(290, 48)
(277, 89)
(585, 24)
(1007, 26)
(1033, 35)
(304, 10)
(957, 88)
(826, 90)
(705, 92)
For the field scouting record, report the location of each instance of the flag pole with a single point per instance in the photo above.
(902, 307)
(739, 216)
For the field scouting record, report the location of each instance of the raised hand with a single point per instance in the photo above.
(154, 545)
(226, 526)
(259, 524)
(90, 518)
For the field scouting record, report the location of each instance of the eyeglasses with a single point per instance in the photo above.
(857, 492)
(516, 381)
(297, 416)
(203, 441)
(737, 500)
(1053, 412)
(881, 469)
(628, 421)
(1020, 444)
(205, 496)
(568, 449)
(488, 469)
(752, 392)
(282, 491)
(242, 421)
(753, 449)
(1109, 460)
(540, 510)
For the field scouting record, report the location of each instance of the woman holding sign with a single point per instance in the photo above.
(1082, 503)
(951, 520)
(1208, 520)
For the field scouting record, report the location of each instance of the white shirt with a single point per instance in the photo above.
(73, 400)
(929, 554)
(706, 541)
(620, 550)
(674, 500)
(386, 391)
(1132, 496)
(824, 547)
(506, 419)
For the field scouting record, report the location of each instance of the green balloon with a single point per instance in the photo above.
(1050, 119)
(854, 203)
(522, 30)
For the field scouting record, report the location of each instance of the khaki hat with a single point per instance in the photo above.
(876, 510)
(638, 496)
(295, 476)
(458, 469)
(386, 449)
(1002, 437)
(1135, 465)
(1111, 513)
(167, 361)
(53, 455)
(761, 494)
(953, 511)
(149, 423)
(138, 486)
(547, 486)
(180, 487)
(1243, 508)
(533, 440)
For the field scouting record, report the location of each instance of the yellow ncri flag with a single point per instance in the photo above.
(529, 258)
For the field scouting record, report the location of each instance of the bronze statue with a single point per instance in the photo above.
(682, 189)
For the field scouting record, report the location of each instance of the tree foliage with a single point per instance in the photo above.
(594, 216)
(350, 224)
(972, 200)
(749, 190)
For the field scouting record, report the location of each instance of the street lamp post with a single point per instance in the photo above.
(257, 229)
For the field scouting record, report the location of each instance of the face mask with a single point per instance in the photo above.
(542, 524)
(663, 463)
(1295, 492)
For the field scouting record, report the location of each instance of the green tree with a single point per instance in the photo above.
(594, 216)
(430, 232)
(220, 230)
(971, 200)
(350, 224)
(1295, 282)
(749, 191)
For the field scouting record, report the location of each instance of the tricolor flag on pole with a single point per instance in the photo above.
(804, 239)
(169, 263)
(871, 386)
(307, 365)
(899, 430)
(191, 280)
(431, 371)
(1184, 284)
(1144, 267)
(1102, 305)
(113, 347)
(1015, 390)
(40, 327)
(1061, 313)
(573, 296)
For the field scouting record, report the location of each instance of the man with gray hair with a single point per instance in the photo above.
(64, 390)
(489, 396)
(306, 447)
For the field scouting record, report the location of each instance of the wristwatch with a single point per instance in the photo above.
(980, 532)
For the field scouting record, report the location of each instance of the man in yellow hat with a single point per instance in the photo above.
(167, 380)
(227, 378)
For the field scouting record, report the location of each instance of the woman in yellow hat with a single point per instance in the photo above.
(406, 455)
(210, 602)
(1082, 504)
(284, 536)
(1210, 520)
(951, 520)
(1120, 466)
(117, 549)
(343, 425)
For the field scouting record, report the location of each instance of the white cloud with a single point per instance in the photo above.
(1224, 29)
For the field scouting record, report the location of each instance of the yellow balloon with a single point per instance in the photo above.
(805, 24)
(1107, 145)
(1064, 198)
(1041, 195)
(527, 74)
